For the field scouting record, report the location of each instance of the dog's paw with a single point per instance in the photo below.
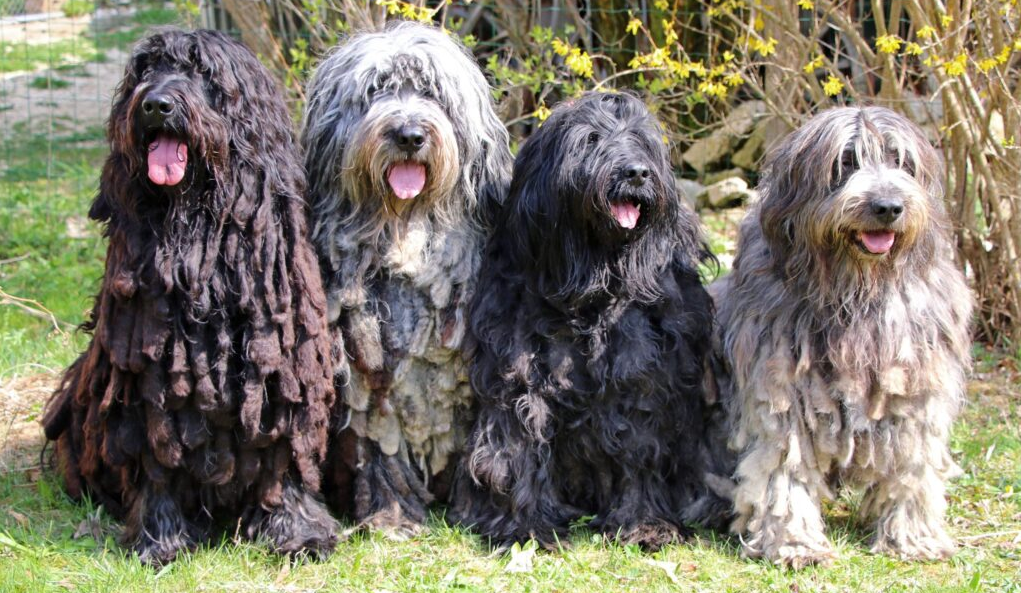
(937, 547)
(792, 553)
(651, 534)
(300, 526)
(393, 523)
(160, 552)
(800, 555)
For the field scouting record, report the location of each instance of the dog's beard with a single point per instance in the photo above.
(171, 151)
(867, 237)
(375, 167)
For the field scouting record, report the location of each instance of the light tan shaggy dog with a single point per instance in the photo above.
(845, 324)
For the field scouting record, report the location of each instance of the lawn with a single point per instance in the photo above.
(51, 257)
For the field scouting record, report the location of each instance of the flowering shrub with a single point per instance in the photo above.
(952, 66)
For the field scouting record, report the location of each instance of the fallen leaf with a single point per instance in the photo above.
(21, 519)
(285, 571)
(521, 557)
(90, 526)
(670, 568)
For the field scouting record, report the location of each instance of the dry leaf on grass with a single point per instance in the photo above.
(521, 557)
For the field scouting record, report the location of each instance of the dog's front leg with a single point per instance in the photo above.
(642, 514)
(777, 505)
(505, 487)
(390, 496)
(907, 503)
(155, 529)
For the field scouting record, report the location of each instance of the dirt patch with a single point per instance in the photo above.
(30, 106)
(71, 95)
(21, 404)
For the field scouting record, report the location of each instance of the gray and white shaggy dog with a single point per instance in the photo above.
(406, 160)
(204, 396)
(592, 328)
(846, 327)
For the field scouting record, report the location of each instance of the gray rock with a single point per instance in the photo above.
(727, 193)
(712, 149)
(689, 190)
(717, 176)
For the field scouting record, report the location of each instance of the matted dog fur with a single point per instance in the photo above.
(406, 160)
(204, 395)
(592, 327)
(846, 327)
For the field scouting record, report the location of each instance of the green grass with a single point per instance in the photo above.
(48, 82)
(77, 8)
(20, 56)
(143, 20)
(53, 256)
(41, 554)
(38, 550)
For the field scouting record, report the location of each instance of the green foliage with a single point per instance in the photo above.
(77, 8)
(48, 82)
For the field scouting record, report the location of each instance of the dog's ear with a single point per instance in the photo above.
(491, 170)
(782, 182)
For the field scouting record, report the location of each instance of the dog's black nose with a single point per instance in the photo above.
(156, 108)
(410, 137)
(636, 173)
(887, 210)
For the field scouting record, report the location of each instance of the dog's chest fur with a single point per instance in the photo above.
(404, 325)
(855, 380)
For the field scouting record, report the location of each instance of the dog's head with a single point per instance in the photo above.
(402, 119)
(860, 184)
(599, 160)
(593, 201)
(187, 101)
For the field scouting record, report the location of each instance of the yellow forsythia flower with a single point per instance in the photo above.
(888, 44)
(987, 64)
(759, 24)
(733, 79)
(579, 62)
(806, 4)
(926, 32)
(833, 86)
(768, 48)
(713, 89)
(633, 26)
(560, 48)
(945, 20)
(661, 4)
(668, 30)
(542, 113)
(912, 49)
(956, 66)
(814, 65)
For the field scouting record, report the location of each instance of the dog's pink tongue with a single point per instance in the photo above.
(878, 241)
(407, 179)
(168, 158)
(626, 214)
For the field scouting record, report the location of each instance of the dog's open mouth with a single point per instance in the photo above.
(167, 160)
(876, 242)
(626, 213)
(407, 179)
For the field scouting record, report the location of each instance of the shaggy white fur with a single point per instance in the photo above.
(848, 361)
(400, 271)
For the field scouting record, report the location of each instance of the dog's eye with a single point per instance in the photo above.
(849, 161)
(593, 137)
(906, 163)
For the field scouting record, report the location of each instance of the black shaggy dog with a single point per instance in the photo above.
(592, 327)
(204, 395)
